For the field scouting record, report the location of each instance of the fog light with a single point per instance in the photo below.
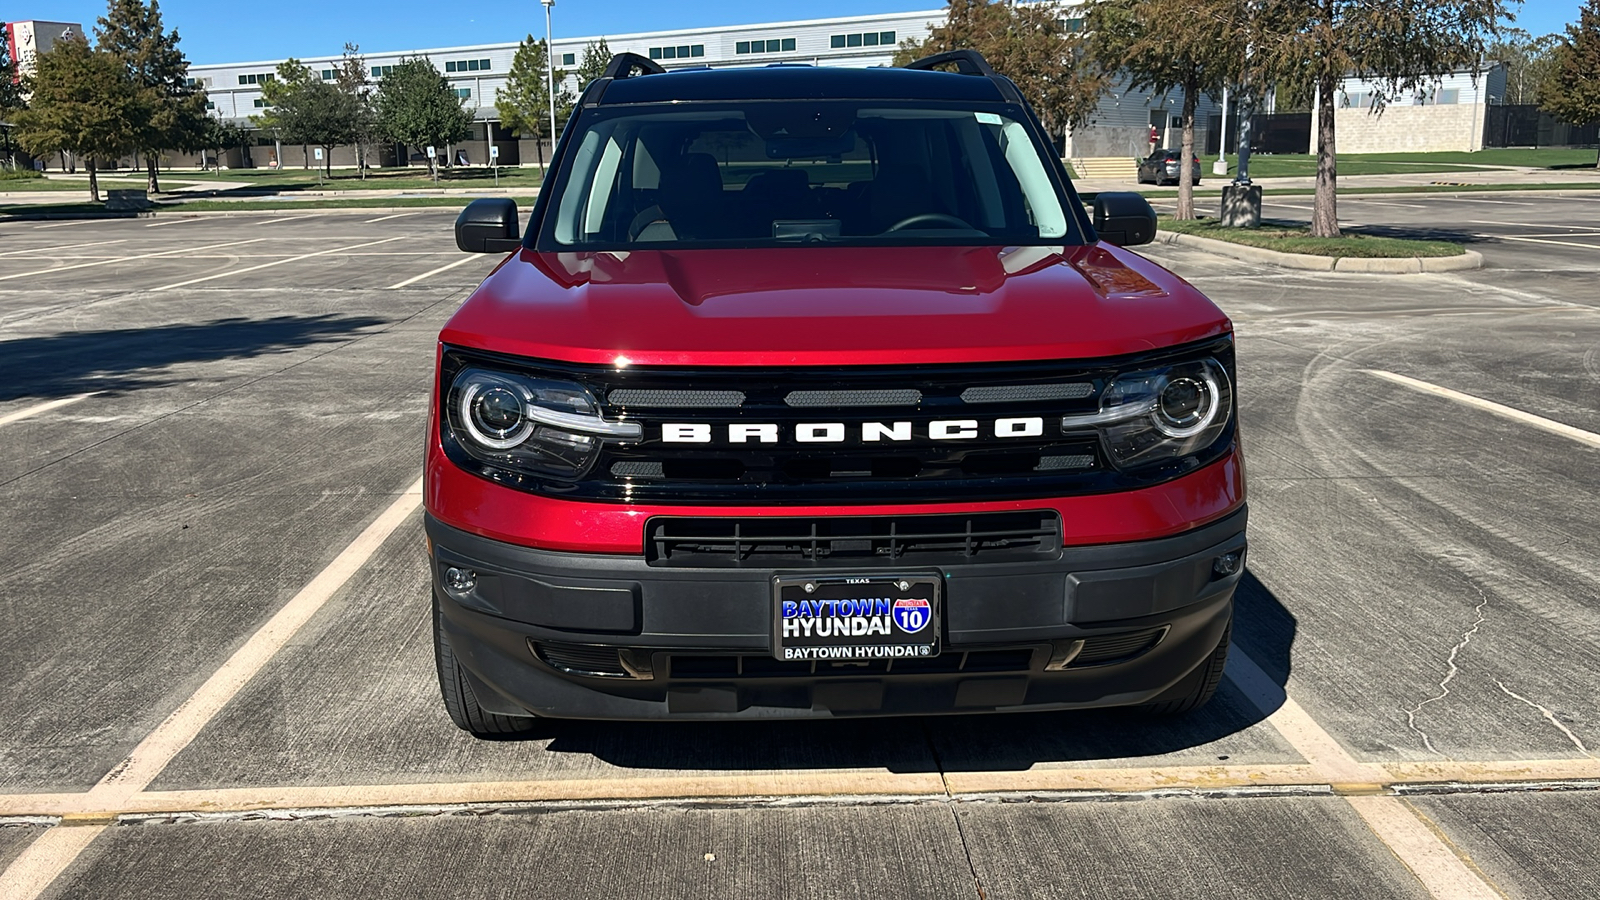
(1227, 564)
(460, 579)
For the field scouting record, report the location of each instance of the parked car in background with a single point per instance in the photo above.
(1161, 167)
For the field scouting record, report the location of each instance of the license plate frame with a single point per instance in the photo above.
(893, 601)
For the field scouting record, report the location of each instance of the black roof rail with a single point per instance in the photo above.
(968, 62)
(971, 62)
(623, 64)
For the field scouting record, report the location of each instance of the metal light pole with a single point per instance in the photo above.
(550, 71)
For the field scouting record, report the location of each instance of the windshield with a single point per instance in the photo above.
(803, 172)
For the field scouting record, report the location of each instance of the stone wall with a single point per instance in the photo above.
(1410, 129)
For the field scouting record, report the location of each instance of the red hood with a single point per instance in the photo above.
(832, 306)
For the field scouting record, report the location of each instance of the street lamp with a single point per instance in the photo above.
(550, 71)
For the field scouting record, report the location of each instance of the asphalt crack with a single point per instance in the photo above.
(1549, 715)
(1451, 673)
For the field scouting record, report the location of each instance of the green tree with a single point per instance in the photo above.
(82, 102)
(1527, 60)
(1400, 45)
(596, 56)
(10, 95)
(416, 107)
(1030, 44)
(1571, 89)
(351, 78)
(1193, 46)
(135, 35)
(524, 101)
(305, 109)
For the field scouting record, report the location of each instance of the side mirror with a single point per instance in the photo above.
(1123, 218)
(489, 226)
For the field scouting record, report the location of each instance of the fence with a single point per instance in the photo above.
(1526, 126)
(1276, 133)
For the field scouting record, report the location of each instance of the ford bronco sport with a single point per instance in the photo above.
(816, 392)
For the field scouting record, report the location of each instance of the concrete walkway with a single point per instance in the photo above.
(1506, 175)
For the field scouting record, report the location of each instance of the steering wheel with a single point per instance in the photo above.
(931, 217)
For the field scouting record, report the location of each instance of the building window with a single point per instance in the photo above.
(682, 51)
(260, 103)
(210, 105)
(569, 59)
(865, 39)
(256, 78)
(380, 71)
(466, 65)
(775, 46)
(197, 82)
(464, 93)
(329, 74)
(1072, 26)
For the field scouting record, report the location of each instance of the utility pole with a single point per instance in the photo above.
(550, 71)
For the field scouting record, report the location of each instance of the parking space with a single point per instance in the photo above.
(214, 603)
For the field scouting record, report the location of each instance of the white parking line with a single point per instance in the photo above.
(1530, 240)
(45, 250)
(106, 262)
(1525, 224)
(1516, 415)
(232, 272)
(21, 414)
(1395, 822)
(416, 278)
(387, 218)
(181, 221)
(73, 222)
(286, 219)
(40, 864)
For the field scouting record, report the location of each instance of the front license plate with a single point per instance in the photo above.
(853, 618)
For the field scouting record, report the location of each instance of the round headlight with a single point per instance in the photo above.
(1186, 406)
(495, 415)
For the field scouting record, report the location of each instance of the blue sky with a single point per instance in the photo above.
(215, 32)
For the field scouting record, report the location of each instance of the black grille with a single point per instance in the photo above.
(581, 659)
(730, 667)
(1110, 648)
(847, 434)
(931, 540)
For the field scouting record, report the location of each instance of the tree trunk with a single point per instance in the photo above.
(94, 182)
(152, 179)
(1325, 211)
(1191, 97)
(327, 161)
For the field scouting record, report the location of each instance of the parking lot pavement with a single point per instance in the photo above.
(215, 611)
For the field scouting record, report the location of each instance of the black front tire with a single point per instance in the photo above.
(1197, 689)
(459, 700)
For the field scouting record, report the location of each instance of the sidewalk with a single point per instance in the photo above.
(1509, 176)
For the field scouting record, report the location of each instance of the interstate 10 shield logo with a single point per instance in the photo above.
(912, 614)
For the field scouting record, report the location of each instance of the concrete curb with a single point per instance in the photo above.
(177, 211)
(1408, 265)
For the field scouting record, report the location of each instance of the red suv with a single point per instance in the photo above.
(815, 392)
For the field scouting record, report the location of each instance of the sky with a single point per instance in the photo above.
(214, 32)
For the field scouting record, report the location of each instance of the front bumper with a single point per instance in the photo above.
(575, 635)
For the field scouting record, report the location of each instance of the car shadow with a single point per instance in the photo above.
(122, 360)
(1264, 630)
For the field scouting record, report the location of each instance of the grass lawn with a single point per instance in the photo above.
(55, 184)
(330, 203)
(376, 180)
(1292, 239)
(1303, 164)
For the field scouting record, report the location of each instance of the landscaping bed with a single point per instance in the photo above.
(1289, 238)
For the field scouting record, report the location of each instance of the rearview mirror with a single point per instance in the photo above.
(489, 226)
(1124, 218)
